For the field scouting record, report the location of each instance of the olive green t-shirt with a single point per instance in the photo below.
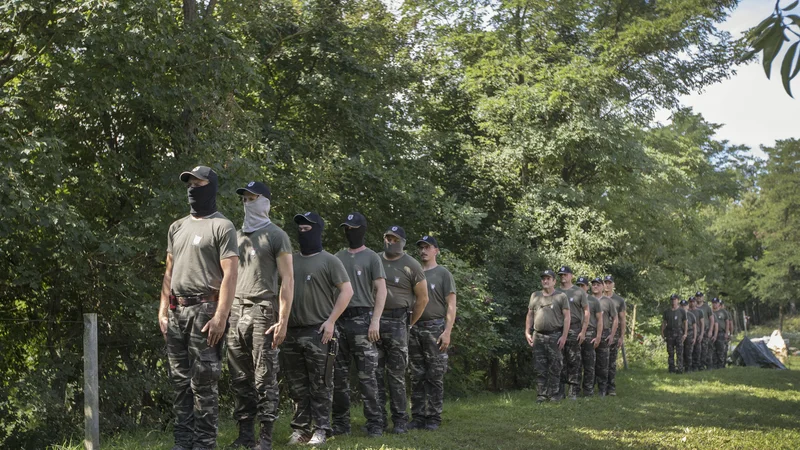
(315, 285)
(594, 308)
(440, 285)
(691, 319)
(721, 316)
(577, 302)
(674, 320)
(197, 246)
(708, 313)
(402, 275)
(609, 310)
(699, 315)
(363, 268)
(619, 303)
(258, 263)
(548, 314)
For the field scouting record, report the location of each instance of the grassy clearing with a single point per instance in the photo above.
(731, 408)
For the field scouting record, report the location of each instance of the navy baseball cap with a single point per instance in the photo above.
(430, 240)
(201, 172)
(255, 187)
(548, 273)
(355, 220)
(597, 280)
(684, 303)
(674, 296)
(396, 231)
(582, 280)
(698, 294)
(715, 300)
(608, 278)
(308, 218)
(564, 269)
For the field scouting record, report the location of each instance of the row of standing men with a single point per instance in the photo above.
(697, 335)
(575, 335)
(385, 312)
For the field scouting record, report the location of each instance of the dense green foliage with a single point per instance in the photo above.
(517, 132)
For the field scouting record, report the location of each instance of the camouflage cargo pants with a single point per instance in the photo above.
(675, 352)
(194, 368)
(708, 353)
(588, 359)
(720, 351)
(547, 362)
(253, 362)
(571, 367)
(601, 363)
(303, 360)
(392, 364)
(354, 344)
(697, 354)
(688, 351)
(613, 351)
(427, 366)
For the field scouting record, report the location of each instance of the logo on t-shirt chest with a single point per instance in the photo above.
(308, 277)
(397, 280)
(197, 239)
(571, 299)
(433, 287)
(675, 318)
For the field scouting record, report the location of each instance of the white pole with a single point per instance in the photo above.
(91, 394)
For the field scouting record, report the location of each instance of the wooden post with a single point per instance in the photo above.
(633, 324)
(91, 394)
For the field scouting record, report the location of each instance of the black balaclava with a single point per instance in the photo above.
(355, 236)
(394, 250)
(203, 199)
(311, 240)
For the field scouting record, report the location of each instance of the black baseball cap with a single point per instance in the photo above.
(355, 220)
(582, 280)
(396, 231)
(715, 300)
(674, 296)
(597, 280)
(692, 299)
(698, 294)
(548, 273)
(684, 303)
(255, 187)
(202, 172)
(430, 240)
(309, 218)
(564, 269)
(608, 278)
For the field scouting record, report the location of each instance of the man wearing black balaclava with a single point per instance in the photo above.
(359, 328)
(406, 289)
(322, 291)
(196, 296)
(259, 317)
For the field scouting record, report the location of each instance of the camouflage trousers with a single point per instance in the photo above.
(720, 351)
(304, 359)
(392, 364)
(253, 362)
(601, 363)
(588, 360)
(688, 351)
(697, 354)
(427, 366)
(354, 344)
(571, 367)
(547, 362)
(675, 352)
(613, 351)
(194, 368)
(708, 353)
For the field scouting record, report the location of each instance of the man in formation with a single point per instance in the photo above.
(721, 336)
(546, 326)
(700, 322)
(708, 332)
(674, 328)
(591, 340)
(691, 337)
(579, 321)
(619, 340)
(610, 319)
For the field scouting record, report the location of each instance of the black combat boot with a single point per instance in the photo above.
(247, 435)
(265, 436)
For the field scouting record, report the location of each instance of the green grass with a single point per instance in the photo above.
(732, 408)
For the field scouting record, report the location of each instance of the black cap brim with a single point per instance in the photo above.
(300, 218)
(185, 176)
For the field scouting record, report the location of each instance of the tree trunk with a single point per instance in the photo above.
(780, 315)
(189, 11)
